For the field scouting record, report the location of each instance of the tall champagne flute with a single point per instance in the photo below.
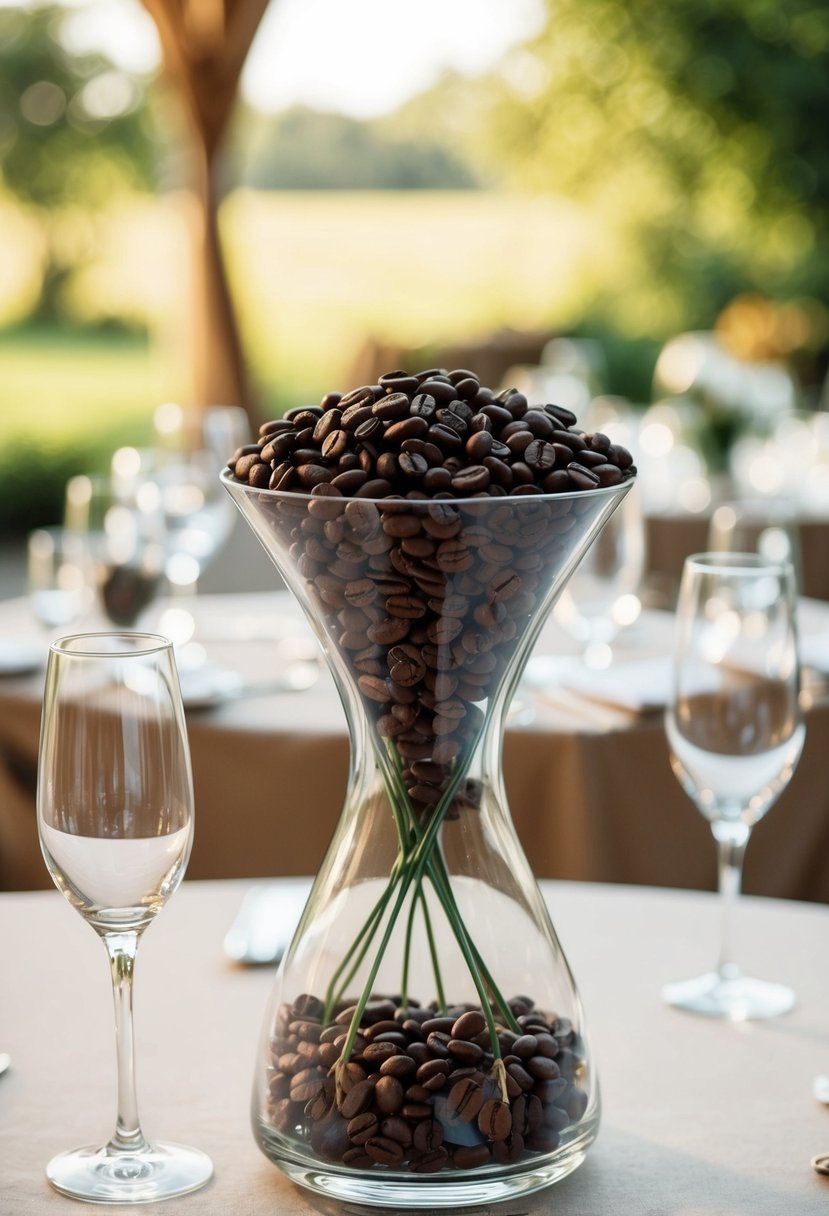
(735, 734)
(115, 816)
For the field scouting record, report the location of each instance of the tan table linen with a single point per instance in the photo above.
(672, 538)
(590, 787)
(700, 1118)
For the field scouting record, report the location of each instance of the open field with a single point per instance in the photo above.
(314, 275)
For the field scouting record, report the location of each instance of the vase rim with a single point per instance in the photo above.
(228, 480)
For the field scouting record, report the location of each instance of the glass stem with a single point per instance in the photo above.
(731, 839)
(121, 948)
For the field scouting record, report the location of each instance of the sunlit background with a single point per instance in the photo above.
(619, 205)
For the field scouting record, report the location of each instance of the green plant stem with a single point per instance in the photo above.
(430, 937)
(442, 883)
(368, 931)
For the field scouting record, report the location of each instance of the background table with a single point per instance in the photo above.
(590, 786)
(699, 1117)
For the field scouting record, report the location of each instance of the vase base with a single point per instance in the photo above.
(447, 1189)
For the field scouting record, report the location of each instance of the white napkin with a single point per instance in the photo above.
(637, 685)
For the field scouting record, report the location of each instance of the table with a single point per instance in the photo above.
(698, 1116)
(590, 786)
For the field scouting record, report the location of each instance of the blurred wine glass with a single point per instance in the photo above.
(766, 526)
(191, 447)
(56, 581)
(121, 530)
(602, 597)
(735, 733)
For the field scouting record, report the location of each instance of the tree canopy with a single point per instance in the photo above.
(696, 130)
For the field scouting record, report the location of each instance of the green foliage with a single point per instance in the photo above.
(75, 133)
(696, 129)
(303, 149)
(72, 128)
(69, 399)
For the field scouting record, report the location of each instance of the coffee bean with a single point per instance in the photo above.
(468, 1025)
(468, 1157)
(508, 1149)
(465, 1101)
(429, 1163)
(358, 1099)
(495, 1119)
(362, 1127)
(384, 1150)
(388, 1094)
(427, 1135)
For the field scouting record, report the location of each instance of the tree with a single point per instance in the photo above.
(73, 130)
(695, 131)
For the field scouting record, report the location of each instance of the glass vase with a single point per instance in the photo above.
(425, 1044)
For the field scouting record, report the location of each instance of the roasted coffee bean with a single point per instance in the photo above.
(362, 1127)
(464, 1052)
(526, 1114)
(468, 1157)
(427, 1135)
(465, 1101)
(508, 1149)
(358, 1099)
(543, 1068)
(376, 1054)
(495, 1119)
(431, 1162)
(395, 1128)
(384, 1150)
(388, 1094)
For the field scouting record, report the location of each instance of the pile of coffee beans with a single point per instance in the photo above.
(434, 434)
(419, 1092)
(428, 518)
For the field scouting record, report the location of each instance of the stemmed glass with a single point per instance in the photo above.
(121, 531)
(115, 816)
(765, 526)
(735, 733)
(602, 597)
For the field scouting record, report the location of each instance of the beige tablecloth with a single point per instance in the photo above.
(590, 787)
(700, 1118)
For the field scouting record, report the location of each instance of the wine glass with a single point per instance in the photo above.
(115, 816)
(121, 527)
(55, 577)
(602, 597)
(735, 733)
(190, 447)
(755, 525)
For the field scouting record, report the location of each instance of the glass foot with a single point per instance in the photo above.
(108, 1175)
(739, 998)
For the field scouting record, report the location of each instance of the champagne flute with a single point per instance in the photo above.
(735, 733)
(115, 816)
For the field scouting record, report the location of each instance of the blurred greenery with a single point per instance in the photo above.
(72, 399)
(696, 129)
(303, 149)
(623, 176)
(74, 133)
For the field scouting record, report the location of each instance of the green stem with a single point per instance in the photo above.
(443, 885)
(333, 992)
(407, 948)
(430, 937)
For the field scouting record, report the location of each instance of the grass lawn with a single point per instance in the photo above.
(62, 388)
(314, 276)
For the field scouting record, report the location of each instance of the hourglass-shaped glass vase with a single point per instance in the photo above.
(425, 1044)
